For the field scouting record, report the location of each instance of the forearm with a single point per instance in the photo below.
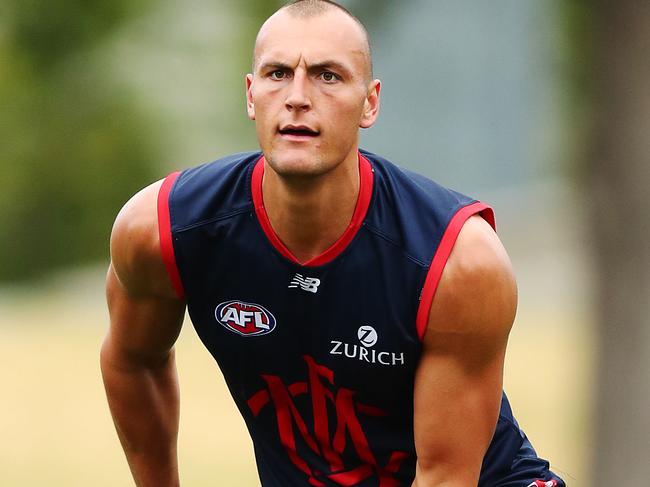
(144, 401)
(442, 477)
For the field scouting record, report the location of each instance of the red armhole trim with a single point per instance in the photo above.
(165, 234)
(440, 259)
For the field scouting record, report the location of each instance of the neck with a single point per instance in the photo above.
(310, 214)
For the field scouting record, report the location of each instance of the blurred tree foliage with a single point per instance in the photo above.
(72, 146)
(609, 75)
(611, 44)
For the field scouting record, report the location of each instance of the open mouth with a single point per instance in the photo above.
(298, 131)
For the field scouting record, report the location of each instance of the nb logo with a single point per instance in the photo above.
(309, 284)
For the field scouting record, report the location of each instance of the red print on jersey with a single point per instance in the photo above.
(319, 439)
(246, 319)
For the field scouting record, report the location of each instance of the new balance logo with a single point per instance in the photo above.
(309, 284)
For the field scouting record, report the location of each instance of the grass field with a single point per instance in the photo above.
(56, 429)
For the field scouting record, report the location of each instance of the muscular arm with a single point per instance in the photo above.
(459, 379)
(137, 357)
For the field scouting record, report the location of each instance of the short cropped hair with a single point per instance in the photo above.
(309, 8)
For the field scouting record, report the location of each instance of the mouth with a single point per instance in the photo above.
(298, 131)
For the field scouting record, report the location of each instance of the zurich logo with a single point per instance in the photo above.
(245, 319)
(367, 335)
(368, 338)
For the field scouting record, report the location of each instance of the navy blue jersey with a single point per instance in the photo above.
(320, 356)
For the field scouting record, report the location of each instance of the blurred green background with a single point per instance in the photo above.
(504, 100)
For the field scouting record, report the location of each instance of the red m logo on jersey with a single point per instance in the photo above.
(320, 440)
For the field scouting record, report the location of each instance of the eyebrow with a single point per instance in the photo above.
(274, 65)
(330, 64)
(320, 66)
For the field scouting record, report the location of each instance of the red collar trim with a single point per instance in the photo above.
(363, 202)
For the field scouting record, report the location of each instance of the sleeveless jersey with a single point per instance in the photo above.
(320, 356)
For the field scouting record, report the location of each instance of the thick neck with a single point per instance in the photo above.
(310, 215)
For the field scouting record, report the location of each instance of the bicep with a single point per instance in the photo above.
(142, 327)
(459, 379)
(145, 313)
(456, 403)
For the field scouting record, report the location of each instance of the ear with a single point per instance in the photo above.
(371, 105)
(250, 105)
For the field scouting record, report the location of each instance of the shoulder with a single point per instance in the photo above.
(395, 177)
(136, 257)
(412, 210)
(220, 172)
(477, 294)
(212, 190)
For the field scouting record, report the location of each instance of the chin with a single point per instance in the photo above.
(296, 164)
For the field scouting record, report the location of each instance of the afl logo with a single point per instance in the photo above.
(367, 335)
(245, 319)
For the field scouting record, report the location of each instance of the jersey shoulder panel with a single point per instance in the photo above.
(212, 191)
(410, 210)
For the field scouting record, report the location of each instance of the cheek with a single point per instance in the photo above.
(349, 106)
(262, 117)
(348, 116)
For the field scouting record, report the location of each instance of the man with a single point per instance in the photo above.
(359, 312)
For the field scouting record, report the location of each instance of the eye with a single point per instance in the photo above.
(278, 74)
(329, 77)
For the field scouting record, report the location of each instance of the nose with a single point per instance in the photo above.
(298, 98)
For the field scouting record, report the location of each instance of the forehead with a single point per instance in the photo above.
(330, 35)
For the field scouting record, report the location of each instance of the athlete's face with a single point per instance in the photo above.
(311, 91)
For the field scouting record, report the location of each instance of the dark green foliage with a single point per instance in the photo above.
(47, 33)
(73, 146)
